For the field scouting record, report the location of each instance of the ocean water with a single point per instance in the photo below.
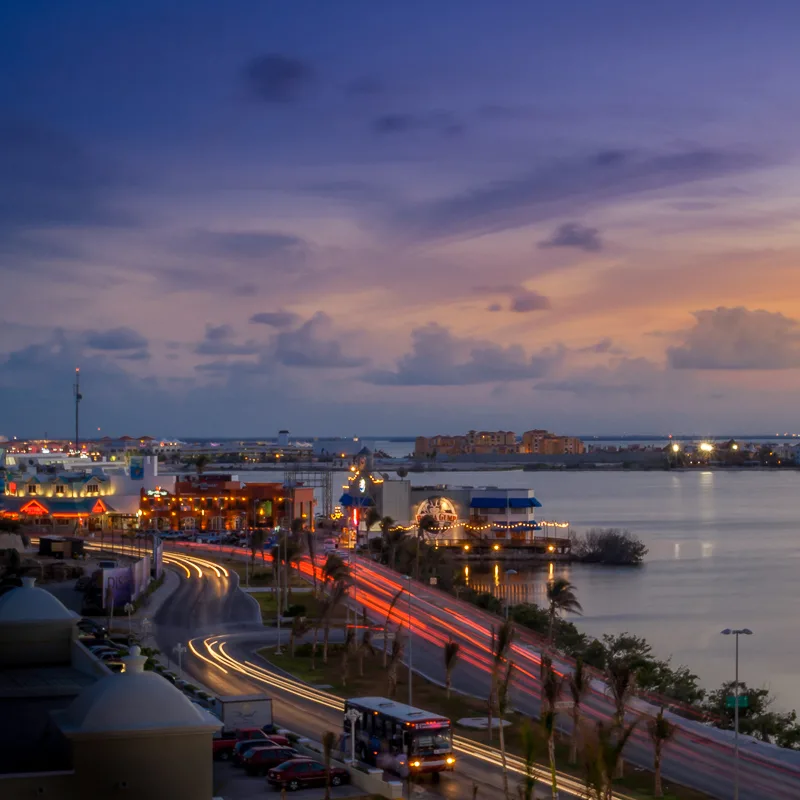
(724, 551)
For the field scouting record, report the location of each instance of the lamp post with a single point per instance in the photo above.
(353, 715)
(738, 632)
(509, 572)
(129, 608)
(179, 650)
(276, 564)
(145, 629)
(410, 646)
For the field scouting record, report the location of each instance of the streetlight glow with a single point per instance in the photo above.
(706, 447)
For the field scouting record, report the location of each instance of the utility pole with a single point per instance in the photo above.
(78, 398)
(736, 634)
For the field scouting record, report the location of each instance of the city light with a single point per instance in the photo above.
(706, 447)
(676, 448)
(734, 447)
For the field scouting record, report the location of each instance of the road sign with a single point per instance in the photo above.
(730, 702)
(434, 581)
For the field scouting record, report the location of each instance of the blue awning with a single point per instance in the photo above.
(488, 502)
(349, 501)
(524, 502)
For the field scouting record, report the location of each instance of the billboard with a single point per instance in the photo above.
(158, 550)
(117, 586)
(442, 509)
(137, 468)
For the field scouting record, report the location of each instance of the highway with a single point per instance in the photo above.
(699, 757)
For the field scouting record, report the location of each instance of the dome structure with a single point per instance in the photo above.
(130, 701)
(28, 603)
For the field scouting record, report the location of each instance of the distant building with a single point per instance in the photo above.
(542, 442)
(538, 442)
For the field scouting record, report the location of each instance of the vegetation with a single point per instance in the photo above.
(602, 753)
(610, 546)
(562, 600)
(450, 652)
(661, 730)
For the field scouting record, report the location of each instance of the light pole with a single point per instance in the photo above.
(410, 646)
(145, 629)
(129, 608)
(738, 632)
(509, 572)
(276, 564)
(353, 715)
(179, 650)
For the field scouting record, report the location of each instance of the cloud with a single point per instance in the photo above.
(365, 87)
(115, 339)
(274, 78)
(559, 186)
(494, 307)
(218, 341)
(524, 300)
(632, 376)
(738, 338)
(275, 319)
(573, 234)
(135, 355)
(48, 178)
(438, 358)
(605, 345)
(313, 344)
(437, 121)
(249, 244)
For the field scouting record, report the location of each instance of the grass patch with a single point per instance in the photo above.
(260, 573)
(268, 603)
(433, 698)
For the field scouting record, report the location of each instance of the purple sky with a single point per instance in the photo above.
(354, 217)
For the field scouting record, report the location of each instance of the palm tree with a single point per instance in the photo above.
(562, 599)
(365, 646)
(372, 518)
(621, 679)
(502, 707)
(661, 730)
(200, 462)
(393, 603)
(529, 757)
(391, 538)
(347, 651)
(312, 557)
(398, 645)
(292, 550)
(334, 569)
(331, 603)
(328, 740)
(501, 642)
(451, 650)
(425, 525)
(551, 689)
(257, 545)
(299, 629)
(579, 683)
(601, 754)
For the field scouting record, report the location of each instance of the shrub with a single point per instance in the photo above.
(296, 610)
(610, 546)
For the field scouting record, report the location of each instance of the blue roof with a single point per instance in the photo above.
(357, 502)
(524, 502)
(61, 505)
(504, 502)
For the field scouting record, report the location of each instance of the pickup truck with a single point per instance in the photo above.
(224, 741)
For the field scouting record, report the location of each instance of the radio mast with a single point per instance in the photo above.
(78, 398)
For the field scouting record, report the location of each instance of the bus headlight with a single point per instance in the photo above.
(451, 760)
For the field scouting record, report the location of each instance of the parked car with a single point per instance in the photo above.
(259, 760)
(224, 741)
(243, 745)
(90, 626)
(298, 773)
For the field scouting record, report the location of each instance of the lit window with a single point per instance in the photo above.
(59, 490)
(92, 488)
(32, 488)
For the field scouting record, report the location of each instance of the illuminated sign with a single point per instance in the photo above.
(156, 493)
(431, 725)
(440, 508)
(362, 485)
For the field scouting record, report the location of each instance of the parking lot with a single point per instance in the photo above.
(231, 783)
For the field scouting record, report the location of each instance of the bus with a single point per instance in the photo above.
(401, 738)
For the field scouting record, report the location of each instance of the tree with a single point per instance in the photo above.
(661, 730)
(201, 461)
(529, 757)
(609, 546)
(347, 651)
(392, 604)
(372, 518)
(425, 525)
(257, 545)
(312, 557)
(299, 629)
(390, 539)
(398, 646)
(562, 600)
(328, 740)
(551, 689)
(579, 683)
(602, 753)
(365, 645)
(502, 707)
(450, 651)
(621, 679)
(501, 642)
(334, 569)
(330, 604)
(292, 550)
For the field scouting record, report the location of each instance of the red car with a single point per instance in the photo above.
(224, 741)
(298, 772)
(258, 760)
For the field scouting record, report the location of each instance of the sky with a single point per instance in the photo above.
(361, 218)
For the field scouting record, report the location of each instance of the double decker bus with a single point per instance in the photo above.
(399, 737)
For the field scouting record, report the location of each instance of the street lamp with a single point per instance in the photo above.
(129, 608)
(410, 645)
(145, 629)
(508, 586)
(353, 715)
(179, 650)
(736, 633)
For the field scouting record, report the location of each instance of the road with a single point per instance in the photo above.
(699, 757)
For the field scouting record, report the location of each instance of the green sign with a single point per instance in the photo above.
(730, 702)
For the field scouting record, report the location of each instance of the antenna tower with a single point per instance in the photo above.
(78, 398)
